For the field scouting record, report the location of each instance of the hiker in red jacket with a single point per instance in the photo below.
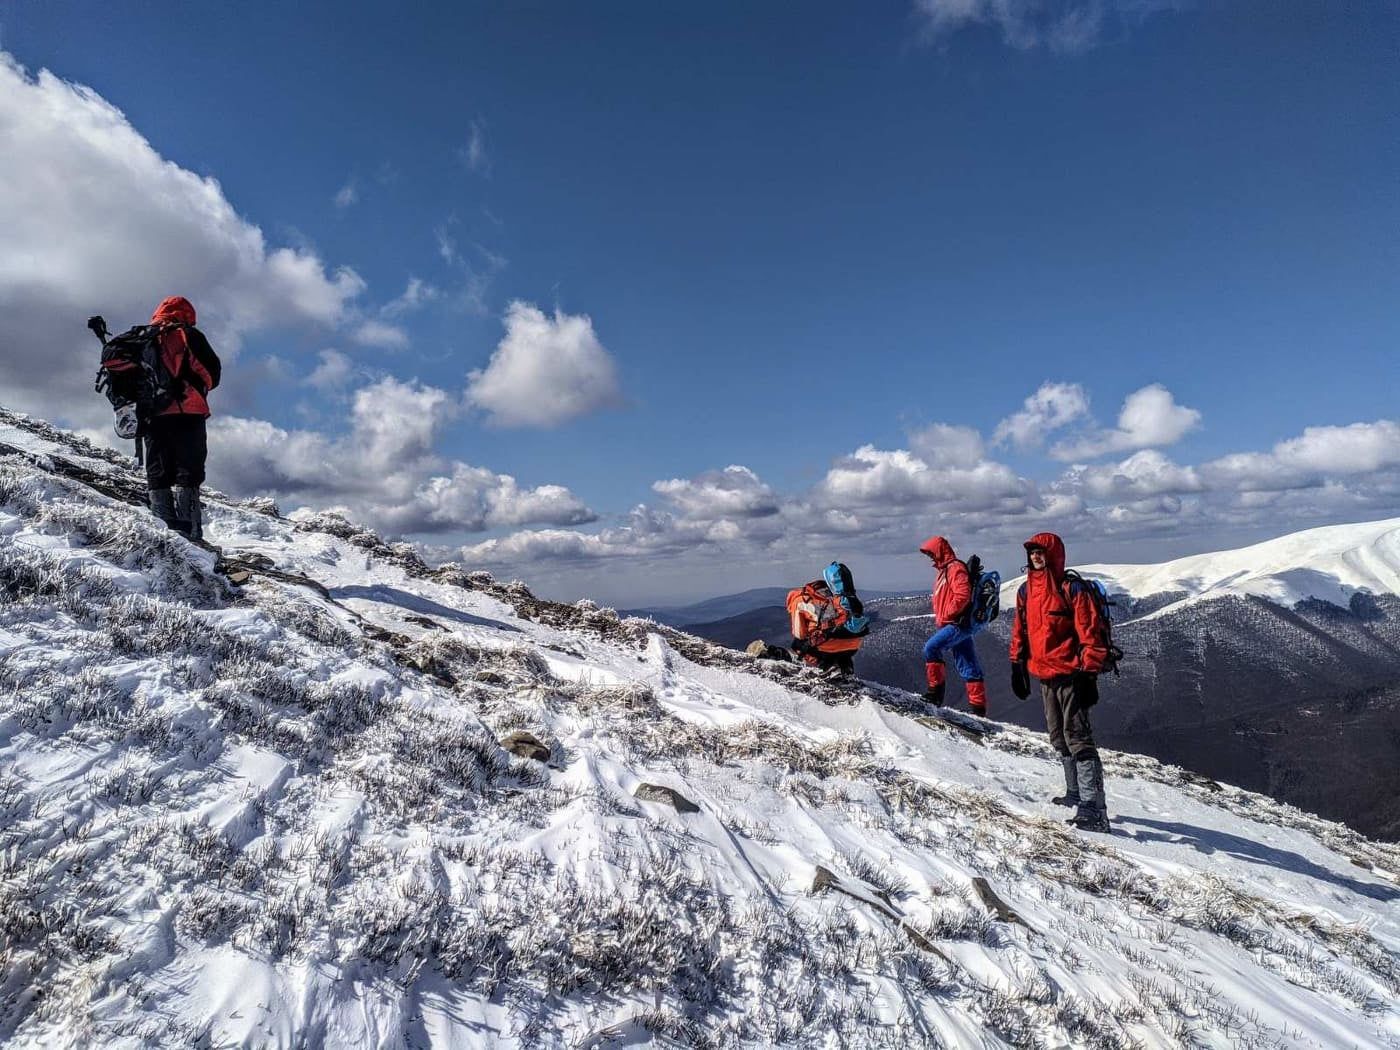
(954, 630)
(175, 441)
(1059, 636)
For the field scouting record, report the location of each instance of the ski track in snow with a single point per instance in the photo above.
(256, 816)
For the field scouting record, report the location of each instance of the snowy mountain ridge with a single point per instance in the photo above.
(316, 792)
(1330, 564)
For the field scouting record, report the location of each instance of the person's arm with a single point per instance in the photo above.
(204, 363)
(1088, 631)
(959, 589)
(1020, 643)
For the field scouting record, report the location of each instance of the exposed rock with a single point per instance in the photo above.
(995, 904)
(526, 745)
(826, 879)
(670, 796)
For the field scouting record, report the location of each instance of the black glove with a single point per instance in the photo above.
(1020, 680)
(801, 646)
(1086, 688)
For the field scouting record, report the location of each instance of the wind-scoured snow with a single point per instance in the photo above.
(277, 813)
(1331, 564)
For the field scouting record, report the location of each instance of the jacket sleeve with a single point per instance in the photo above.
(959, 590)
(1088, 631)
(1020, 644)
(204, 363)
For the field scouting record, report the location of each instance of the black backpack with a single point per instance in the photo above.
(132, 371)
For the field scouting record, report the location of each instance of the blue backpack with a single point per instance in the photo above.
(843, 588)
(986, 593)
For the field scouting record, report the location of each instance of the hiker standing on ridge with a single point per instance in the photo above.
(176, 445)
(954, 628)
(1060, 635)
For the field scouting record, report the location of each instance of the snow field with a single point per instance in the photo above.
(260, 816)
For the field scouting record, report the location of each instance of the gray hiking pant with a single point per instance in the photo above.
(1067, 716)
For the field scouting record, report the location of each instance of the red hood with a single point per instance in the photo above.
(1054, 548)
(176, 309)
(939, 549)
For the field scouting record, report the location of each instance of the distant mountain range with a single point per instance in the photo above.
(1275, 667)
(727, 606)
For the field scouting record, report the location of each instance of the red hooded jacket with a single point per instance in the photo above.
(1057, 629)
(187, 356)
(952, 589)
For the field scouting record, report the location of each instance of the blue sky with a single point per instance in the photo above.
(794, 234)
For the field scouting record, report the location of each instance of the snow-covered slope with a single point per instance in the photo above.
(1331, 563)
(268, 806)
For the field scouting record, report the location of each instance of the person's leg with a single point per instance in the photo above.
(1079, 736)
(1052, 692)
(190, 452)
(160, 470)
(934, 671)
(965, 656)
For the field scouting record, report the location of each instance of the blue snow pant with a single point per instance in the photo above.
(958, 640)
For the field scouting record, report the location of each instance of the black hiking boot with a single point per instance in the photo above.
(934, 694)
(1093, 820)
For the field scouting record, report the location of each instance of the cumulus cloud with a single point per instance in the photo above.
(546, 371)
(1053, 406)
(385, 469)
(1063, 26)
(1150, 418)
(1143, 475)
(894, 481)
(734, 492)
(95, 220)
(1308, 460)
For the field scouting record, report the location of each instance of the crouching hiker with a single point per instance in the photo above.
(1061, 636)
(158, 377)
(965, 600)
(828, 621)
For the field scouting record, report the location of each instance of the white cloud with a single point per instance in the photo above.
(1053, 406)
(1150, 418)
(1143, 475)
(890, 482)
(415, 296)
(473, 154)
(545, 371)
(385, 469)
(1309, 459)
(380, 334)
(347, 195)
(332, 374)
(734, 492)
(1063, 26)
(94, 220)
